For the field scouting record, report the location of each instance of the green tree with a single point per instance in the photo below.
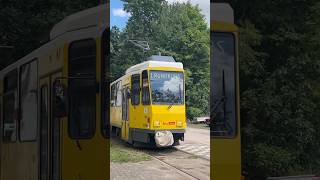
(279, 68)
(26, 26)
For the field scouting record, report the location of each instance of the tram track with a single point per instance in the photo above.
(187, 165)
(181, 171)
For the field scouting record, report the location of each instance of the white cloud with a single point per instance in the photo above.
(204, 5)
(120, 13)
(174, 84)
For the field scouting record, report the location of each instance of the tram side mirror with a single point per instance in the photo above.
(59, 99)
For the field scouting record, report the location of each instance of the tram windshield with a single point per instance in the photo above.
(167, 87)
(223, 97)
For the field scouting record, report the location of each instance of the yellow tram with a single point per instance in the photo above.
(148, 103)
(53, 120)
(224, 95)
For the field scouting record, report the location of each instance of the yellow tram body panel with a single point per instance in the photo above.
(164, 118)
(116, 118)
(226, 151)
(76, 158)
(149, 118)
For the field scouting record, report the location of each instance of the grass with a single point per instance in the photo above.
(123, 154)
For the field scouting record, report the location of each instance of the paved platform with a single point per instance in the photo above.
(196, 142)
(200, 150)
(175, 163)
(145, 170)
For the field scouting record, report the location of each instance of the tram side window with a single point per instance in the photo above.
(145, 88)
(82, 96)
(28, 101)
(118, 94)
(10, 107)
(124, 104)
(113, 95)
(135, 89)
(223, 96)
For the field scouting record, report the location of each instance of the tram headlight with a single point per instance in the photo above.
(179, 123)
(156, 123)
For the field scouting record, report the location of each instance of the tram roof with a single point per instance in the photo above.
(151, 64)
(221, 12)
(93, 17)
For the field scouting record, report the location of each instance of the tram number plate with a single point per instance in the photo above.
(169, 123)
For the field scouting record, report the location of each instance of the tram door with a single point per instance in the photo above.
(49, 133)
(125, 114)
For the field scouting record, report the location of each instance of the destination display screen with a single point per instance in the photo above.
(167, 87)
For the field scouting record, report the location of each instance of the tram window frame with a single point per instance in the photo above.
(10, 89)
(234, 133)
(146, 99)
(135, 91)
(21, 89)
(78, 132)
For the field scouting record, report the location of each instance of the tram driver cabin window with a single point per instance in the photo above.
(135, 89)
(145, 88)
(10, 107)
(28, 101)
(82, 84)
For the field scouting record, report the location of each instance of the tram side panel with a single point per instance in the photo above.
(225, 116)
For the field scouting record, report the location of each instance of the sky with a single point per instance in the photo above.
(119, 17)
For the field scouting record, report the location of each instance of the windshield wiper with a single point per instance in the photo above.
(221, 101)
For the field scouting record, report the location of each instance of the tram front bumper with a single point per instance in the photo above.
(163, 138)
(148, 136)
